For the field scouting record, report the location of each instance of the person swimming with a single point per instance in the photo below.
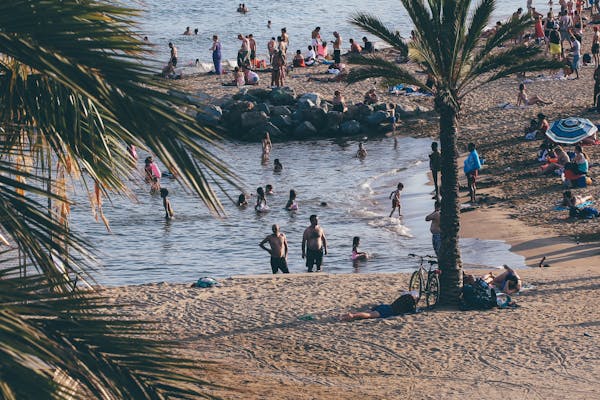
(261, 201)
(357, 255)
(277, 166)
(291, 205)
(164, 193)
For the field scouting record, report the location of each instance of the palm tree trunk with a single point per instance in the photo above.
(449, 257)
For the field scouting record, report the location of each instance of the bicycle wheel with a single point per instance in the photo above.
(433, 289)
(416, 284)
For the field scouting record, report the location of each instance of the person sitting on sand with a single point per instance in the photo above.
(238, 78)
(357, 255)
(507, 282)
(311, 57)
(298, 61)
(371, 97)
(542, 126)
(277, 166)
(355, 47)
(339, 104)
(405, 304)
(523, 98)
(367, 45)
(291, 204)
(250, 77)
(571, 200)
(556, 159)
(242, 202)
(581, 159)
(361, 152)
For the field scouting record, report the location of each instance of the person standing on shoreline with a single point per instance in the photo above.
(252, 47)
(337, 48)
(216, 55)
(395, 197)
(242, 56)
(472, 165)
(314, 244)
(436, 237)
(435, 166)
(278, 250)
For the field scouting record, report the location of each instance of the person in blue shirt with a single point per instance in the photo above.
(471, 167)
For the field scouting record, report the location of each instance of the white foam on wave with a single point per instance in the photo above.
(391, 224)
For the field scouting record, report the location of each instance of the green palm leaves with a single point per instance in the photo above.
(75, 88)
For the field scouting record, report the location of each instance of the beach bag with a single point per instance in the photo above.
(206, 282)
(478, 296)
(587, 58)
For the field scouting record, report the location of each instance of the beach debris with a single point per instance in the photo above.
(306, 317)
(206, 282)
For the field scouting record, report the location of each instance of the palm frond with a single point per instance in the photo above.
(375, 26)
(378, 67)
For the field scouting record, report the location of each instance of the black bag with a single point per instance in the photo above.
(478, 296)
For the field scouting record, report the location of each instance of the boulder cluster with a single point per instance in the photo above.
(249, 114)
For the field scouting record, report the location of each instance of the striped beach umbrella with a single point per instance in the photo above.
(571, 130)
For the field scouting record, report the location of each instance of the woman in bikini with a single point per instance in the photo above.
(526, 100)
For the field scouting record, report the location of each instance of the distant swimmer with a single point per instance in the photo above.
(269, 190)
(314, 244)
(395, 196)
(266, 144)
(269, 24)
(291, 205)
(242, 8)
(278, 250)
(188, 31)
(261, 202)
(164, 193)
(361, 152)
(277, 166)
(356, 254)
(436, 237)
(242, 202)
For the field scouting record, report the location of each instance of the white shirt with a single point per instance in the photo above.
(576, 48)
(311, 54)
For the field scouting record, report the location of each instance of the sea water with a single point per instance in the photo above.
(165, 21)
(144, 247)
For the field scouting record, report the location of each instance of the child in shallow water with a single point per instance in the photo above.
(291, 205)
(164, 193)
(357, 255)
(395, 196)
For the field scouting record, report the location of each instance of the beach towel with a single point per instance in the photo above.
(582, 205)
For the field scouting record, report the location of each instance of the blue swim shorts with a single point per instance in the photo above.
(384, 310)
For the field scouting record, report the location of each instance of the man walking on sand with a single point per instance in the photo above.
(337, 48)
(278, 251)
(173, 54)
(436, 238)
(314, 244)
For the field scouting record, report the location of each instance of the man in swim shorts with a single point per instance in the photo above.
(278, 251)
(173, 54)
(314, 244)
(436, 237)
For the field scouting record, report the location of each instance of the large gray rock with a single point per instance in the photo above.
(334, 118)
(305, 104)
(297, 116)
(380, 107)
(253, 118)
(233, 116)
(258, 132)
(259, 93)
(243, 94)
(350, 128)
(316, 116)
(314, 98)
(280, 110)
(283, 122)
(305, 130)
(377, 118)
(264, 107)
(209, 115)
(283, 96)
(364, 111)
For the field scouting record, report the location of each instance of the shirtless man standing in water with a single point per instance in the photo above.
(314, 244)
(436, 238)
(278, 250)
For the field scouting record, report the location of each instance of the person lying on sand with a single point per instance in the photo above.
(406, 303)
(526, 100)
(571, 200)
(507, 282)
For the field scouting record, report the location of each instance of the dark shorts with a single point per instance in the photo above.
(595, 48)
(472, 177)
(395, 203)
(174, 61)
(436, 241)
(384, 310)
(252, 54)
(314, 257)
(279, 263)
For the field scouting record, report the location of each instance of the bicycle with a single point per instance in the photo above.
(427, 282)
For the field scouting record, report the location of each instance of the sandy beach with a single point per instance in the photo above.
(280, 337)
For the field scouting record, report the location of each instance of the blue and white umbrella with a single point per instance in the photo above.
(571, 130)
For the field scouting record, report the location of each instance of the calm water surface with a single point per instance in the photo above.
(165, 21)
(144, 247)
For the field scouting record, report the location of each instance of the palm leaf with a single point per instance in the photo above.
(375, 26)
